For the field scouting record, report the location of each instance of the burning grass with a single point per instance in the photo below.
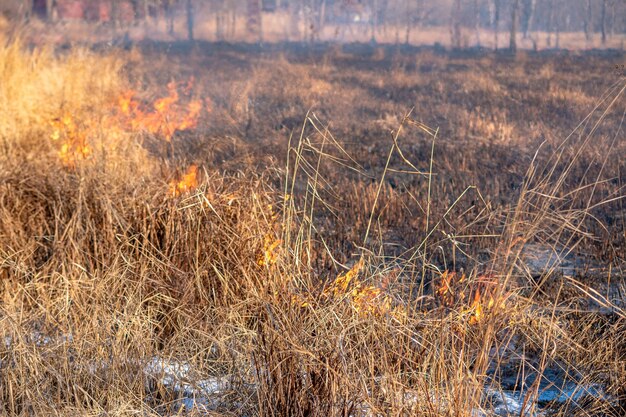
(138, 276)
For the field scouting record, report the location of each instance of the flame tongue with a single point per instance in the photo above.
(163, 118)
(477, 316)
(74, 140)
(188, 182)
(168, 116)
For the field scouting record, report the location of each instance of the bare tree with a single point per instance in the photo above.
(588, 20)
(50, 10)
(497, 5)
(456, 24)
(294, 18)
(513, 35)
(557, 25)
(189, 8)
(374, 18)
(115, 14)
(527, 16)
(254, 19)
(146, 11)
(409, 21)
(321, 21)
(169, 16)
(27, 9)
(550, 23)
(613, 14)
(219, 22)
(477, 21)
(603, 25)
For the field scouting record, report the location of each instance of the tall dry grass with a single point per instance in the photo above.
(103, 270)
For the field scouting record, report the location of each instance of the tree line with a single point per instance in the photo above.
(467, 19)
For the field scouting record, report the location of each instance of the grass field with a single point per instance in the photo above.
(333, 230)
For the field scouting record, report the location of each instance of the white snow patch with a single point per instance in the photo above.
(200, 393)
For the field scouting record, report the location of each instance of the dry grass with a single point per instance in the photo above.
(309, 281)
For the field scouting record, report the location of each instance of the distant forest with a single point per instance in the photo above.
(515, 17)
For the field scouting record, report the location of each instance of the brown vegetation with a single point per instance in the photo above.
(339, 232)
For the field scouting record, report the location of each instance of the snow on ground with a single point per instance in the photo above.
(205, 393)
(200, 393)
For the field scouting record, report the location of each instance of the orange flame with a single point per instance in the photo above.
(74, 144)
(365, 299)
(164, 117)
(167, 117)
(446, 280)
(187, 183)
(477, 308)
(340, 285)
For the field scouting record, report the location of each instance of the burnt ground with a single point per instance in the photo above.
(495, 116)
(493, 112)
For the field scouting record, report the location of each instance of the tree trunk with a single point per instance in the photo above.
(612, 30)
(135, 5)
(219, 25)
(321, 21)
(496, 21)
(603, 22)
(233, 23)
(114, 14)
(374, 18)
(513, 35)
(549, 23)
(27, 9)
(477, 22)
(294, 19)
(169, 16)
(50, 10)
(587, 21)
(189, 7)
(557, 26)
(146, 12)
(254, 19)
(456, 24)
(409, 23)
(529, 15)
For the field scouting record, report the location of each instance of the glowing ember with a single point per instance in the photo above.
(340, 285)
(486, 298)
(269, 255)
(187, 183)
(448, 290)
(365, 299)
